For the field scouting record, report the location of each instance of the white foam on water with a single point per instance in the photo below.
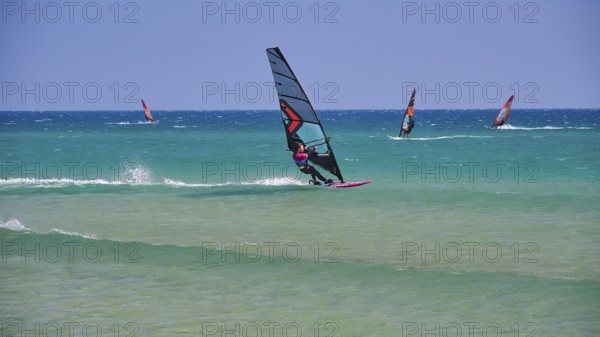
(14, 225)
(17, 226)
(60, 231)
(438, 138)
(177, 183)
(546, 127)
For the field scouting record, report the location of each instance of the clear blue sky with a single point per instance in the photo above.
(199, 55)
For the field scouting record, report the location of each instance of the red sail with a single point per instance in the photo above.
(147, 112)
(502, 116)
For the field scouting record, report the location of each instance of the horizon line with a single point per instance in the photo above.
(350, 109)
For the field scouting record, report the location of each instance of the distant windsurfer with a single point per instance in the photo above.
(502, 115)
(409, 126)
(301, 159)
(147, 113)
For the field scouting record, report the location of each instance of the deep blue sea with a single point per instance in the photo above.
(200, 225)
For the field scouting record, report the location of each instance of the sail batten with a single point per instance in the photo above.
(301, 123)
(284, 75)
(294, 97)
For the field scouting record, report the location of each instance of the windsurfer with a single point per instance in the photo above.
(410, 125)
(502, 116)
(301, 159)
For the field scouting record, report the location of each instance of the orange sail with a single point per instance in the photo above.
(147, 113)
(502, 116)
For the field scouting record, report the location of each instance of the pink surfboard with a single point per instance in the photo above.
(349, 184)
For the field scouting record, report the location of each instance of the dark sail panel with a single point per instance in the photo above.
(288, 87)
(299, 118)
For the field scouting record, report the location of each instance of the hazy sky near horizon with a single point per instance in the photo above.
(350, 54)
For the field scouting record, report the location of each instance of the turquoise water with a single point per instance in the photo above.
(200, 225)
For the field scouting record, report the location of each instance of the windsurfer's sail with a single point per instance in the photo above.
(407, 122)
(502, 116)
(147, 113)
(299, 118)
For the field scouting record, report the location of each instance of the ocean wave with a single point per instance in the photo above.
(274, 182)
(259, 182)
(177, 183)
(15, 183)
(60, 231)
(439, 138)
(14, 225)
(53, 183)
(63, 182)
(135, 175)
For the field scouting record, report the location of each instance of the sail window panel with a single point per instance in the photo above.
(312, 135)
